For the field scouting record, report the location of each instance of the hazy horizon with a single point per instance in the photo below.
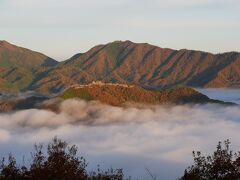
(63, 28)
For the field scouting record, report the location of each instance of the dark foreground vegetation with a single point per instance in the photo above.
(223, 164)
(60, 163)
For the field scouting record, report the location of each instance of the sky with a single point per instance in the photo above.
(62, 28)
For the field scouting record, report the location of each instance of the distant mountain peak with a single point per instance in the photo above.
(2, 42)
(121, 41)
(20, 66)
(7, 45)
(123, 62)
(127, 42)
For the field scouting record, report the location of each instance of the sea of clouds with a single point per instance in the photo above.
(159, 138)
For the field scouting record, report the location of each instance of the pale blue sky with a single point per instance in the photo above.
(61, 28)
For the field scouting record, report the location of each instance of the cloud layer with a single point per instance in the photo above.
(159, 138)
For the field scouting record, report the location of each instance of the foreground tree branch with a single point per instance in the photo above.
(223, 164)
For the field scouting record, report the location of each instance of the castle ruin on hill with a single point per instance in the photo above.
(100, 83)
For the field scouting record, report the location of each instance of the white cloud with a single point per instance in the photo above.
(4, 135)
(158, 137)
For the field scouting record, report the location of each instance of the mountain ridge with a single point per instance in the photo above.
(120, 94)
(147, 66)
(18, 66)
(142, 64)
(113, 94)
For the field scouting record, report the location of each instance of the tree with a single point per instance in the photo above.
(37, 169)
(60, 163)
(10, 170)
(223, 164)
(110, 174)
